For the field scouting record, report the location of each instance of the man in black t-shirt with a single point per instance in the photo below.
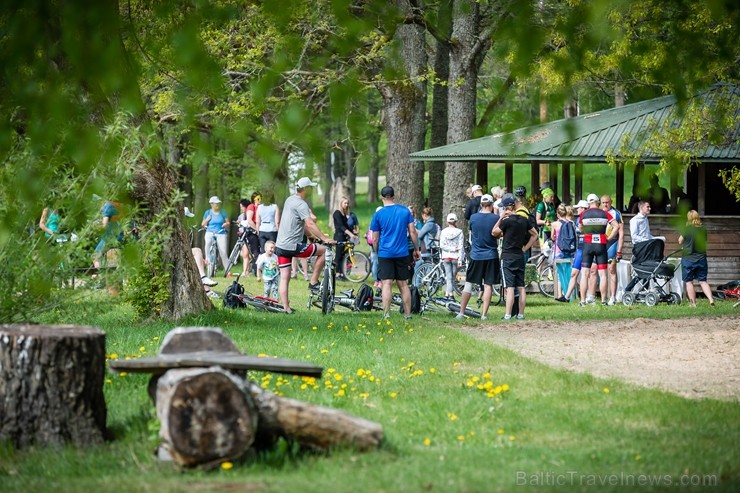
(518, 237)
(473, 205)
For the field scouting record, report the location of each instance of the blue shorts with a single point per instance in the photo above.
(578, 258)
(694, 270)
(611, 252)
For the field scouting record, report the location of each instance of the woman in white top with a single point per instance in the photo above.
(451, 242)
(268, 220)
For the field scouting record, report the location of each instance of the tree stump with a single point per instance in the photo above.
(51, 385)
(206, 416)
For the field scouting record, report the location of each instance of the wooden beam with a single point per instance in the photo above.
(481, 172)
(565, 197)
(619, 198)
(534, 181)
(701, 196)
(509, 176)
(579, 182)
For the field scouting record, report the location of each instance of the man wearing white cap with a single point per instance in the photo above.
(484, 266)
(294, 222)
(594, 222)
(452, 245)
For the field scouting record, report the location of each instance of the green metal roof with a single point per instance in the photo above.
(588, 138)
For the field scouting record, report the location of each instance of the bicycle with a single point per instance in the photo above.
(328, 281)
(236, 251)
(544, 274)
(356, 266)
(437, 304)
(236, 297)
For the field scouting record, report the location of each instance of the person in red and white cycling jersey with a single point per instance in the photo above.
(594, 222)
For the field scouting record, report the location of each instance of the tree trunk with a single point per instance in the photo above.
(404, 110)
(154, 186)
(310, 425)
(206, 416)
(51, 385)
(466, 55)
(440, 111)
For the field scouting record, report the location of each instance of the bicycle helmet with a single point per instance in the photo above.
(520, 191)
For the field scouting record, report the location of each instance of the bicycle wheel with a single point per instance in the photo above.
(424, 269)
(546, 282)
(327, 292)
(360, 270)
(212, 255)
(454, 307)
(233, 258)
(269, 304)
(309, 264)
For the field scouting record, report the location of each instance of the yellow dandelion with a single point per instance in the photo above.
(427, 442)
(432, 370)
(360, 372)
(338, 376)
(393, 395)
(500, 431)
(123, 374)
(226, 466)
(340, 393)
(142, 349)
(460, 438)
(314, 328)
(512, 438)
(324, 351)
(114, 356)
(452, 416)
(638, 457)
(156, 338)
(606, 390)
(108, 380)
(381, 339)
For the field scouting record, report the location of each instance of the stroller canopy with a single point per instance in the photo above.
(646, 251)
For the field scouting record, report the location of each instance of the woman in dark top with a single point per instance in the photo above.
(342, 231)
(694, 262)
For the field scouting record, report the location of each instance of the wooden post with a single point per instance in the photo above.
(565, 197)
(51, 385)
(481, 172)
(509, 176)
(619, 199)
(579, 182)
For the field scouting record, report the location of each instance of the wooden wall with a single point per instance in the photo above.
(723, 251)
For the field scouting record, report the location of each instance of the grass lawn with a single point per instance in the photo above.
(459, 415)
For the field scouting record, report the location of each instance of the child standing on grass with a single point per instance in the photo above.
(267, 270)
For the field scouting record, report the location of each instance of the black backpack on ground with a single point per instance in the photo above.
(364, 298)
(231, 298)
(567, 238)
(415, 300)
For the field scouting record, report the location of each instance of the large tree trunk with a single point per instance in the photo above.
(466, 55)
(440, 110)
(404, 108)
(51, 385)
(154, 186)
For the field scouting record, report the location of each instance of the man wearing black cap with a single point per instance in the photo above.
(392, 226)
(519, 236)
(473, 205)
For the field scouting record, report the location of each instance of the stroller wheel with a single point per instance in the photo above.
(675, 299)
(651, 299)
(628, 299)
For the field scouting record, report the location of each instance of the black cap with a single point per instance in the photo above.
(387, 191)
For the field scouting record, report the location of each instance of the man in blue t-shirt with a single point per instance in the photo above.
(392, 226)
(484, 264)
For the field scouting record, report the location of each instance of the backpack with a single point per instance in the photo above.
(364, 298)
(567, 240)
(231, 297)
(369, 237)
(415, 300)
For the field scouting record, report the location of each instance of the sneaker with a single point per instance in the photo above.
(459, 316)
(590, 301)
(506, 317)
(562, 299)
(386, 316)
(341, 277)
(520, 317)
(612, 302)
(604, 303)
(208, 281)
(212, 294)
(484, 317)
(582, 303)
(306, 278)
(407, 317)
(314, 287)
(292, 275)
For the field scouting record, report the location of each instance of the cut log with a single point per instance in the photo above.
(312, 426)
(51, 385)
(206, 416)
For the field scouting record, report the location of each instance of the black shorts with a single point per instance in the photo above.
(484, 271)
(393, 268)
(513, 270)
(594, 252)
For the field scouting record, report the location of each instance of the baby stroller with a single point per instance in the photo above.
(651, 274)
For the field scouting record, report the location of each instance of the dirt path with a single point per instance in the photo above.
(693, 357)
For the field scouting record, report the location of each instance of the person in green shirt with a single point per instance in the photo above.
(545, 212)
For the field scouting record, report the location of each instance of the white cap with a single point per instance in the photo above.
(188, 213)
(582, 204)
(305, 182)
(475, 188)
(452, 217)
(486, 199)
(214, 200)
(592, 197)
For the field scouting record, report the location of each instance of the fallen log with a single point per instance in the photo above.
(51, 385)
